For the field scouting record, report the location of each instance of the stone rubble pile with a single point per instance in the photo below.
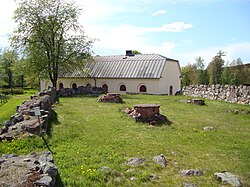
(35, 169)
(193, 101)
(110, 98)
(233, 94)
(81, 90)
(149, 113)
(24, 122)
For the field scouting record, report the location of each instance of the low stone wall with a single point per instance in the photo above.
(81, 90)
(35, 169)
(233, 94)
(24, 122)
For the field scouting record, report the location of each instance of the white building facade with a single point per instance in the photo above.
(150, 73)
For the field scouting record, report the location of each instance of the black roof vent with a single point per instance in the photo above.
(129, 53)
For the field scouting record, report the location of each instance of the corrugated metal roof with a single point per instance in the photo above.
(137, 66)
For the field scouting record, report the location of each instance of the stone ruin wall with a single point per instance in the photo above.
(228, 93)
(24, 122)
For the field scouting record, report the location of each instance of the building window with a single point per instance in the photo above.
(74, 86)
(60, 86)
(123, 88)
(105, 87)
(143, 88)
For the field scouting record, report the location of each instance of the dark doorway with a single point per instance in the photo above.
(171, 90)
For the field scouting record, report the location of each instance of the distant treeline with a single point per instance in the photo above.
(217, 72)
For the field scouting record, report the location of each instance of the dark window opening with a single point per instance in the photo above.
(60, 86)
(105, 87)
(74, 86)
(143, 88)
(123, 88)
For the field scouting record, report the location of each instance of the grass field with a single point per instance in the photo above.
(90, 135)
(9, 108)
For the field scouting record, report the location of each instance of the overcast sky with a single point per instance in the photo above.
(179, 29)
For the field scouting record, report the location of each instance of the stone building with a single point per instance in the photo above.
(140, 73)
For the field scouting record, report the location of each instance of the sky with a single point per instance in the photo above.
(178, 29)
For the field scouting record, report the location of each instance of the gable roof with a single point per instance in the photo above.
(120, 66)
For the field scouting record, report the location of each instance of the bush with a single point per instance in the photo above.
(14, 91)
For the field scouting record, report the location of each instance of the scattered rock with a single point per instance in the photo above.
(235, 111)
(208, 128)
(130, 171)
(133, 178)
(189, 184)
(193, 101)
(191, 172)
(136, 161)
(161, 160)
(153, 177)
(105, 169)
(228, 178)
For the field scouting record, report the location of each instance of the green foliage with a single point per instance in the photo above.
(13, 91)
(91, 134)
(215, 68)
(9, 108)
(234, 73)
(50, 37)
(136, 52)
(194, 73)
(8, 59)
(22, 146)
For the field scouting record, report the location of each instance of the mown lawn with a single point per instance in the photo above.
(7, 109)
(90, 135)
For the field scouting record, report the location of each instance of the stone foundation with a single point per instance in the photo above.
(149, 113)
(232, 94)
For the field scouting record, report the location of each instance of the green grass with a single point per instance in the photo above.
(92, 134)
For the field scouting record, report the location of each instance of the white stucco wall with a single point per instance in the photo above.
(170, 77)
(132, 85)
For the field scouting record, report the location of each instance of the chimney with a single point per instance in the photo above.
(129, 53)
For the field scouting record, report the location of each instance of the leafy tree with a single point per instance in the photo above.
(186, 80)
(7, 61)
(215, 68)
(237, 62)
(50, 37)
(136, 52)
(194, 73)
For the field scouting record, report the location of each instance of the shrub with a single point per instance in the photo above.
(14, 91)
